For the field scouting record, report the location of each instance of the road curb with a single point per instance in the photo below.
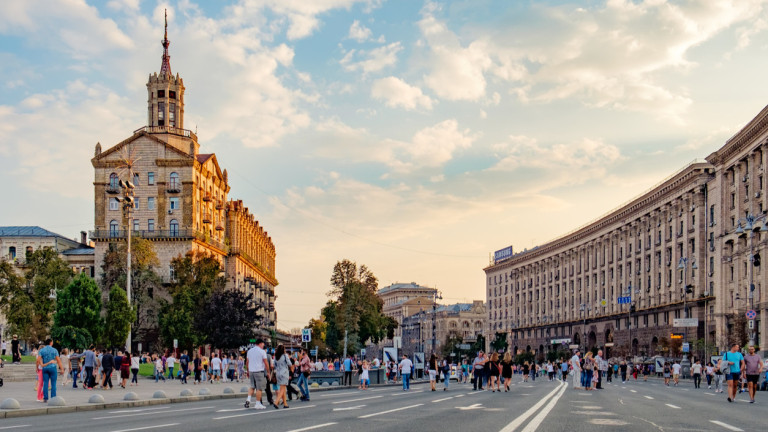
(30, 412)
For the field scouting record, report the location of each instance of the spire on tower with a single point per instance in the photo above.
(165, 66)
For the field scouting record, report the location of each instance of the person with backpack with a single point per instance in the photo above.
(718, 377)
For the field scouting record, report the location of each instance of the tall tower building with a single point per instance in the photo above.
(181, 199)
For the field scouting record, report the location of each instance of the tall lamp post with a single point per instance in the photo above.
(585, 308)
(629, 316)
(687, 288)
(127, 199)
(438, 296)
(750, 222)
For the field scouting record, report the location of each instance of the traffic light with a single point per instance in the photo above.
(688, 289)
(756, 260)
(632, 309)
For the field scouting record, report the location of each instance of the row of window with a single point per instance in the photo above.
(173, 180)
(114, 203)
(114, 227)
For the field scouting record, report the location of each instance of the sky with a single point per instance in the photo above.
(414, 137)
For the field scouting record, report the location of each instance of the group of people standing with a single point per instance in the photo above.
(286, 373)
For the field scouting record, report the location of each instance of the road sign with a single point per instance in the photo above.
(625, 300)
(751, 314)
(751, 324)
(463, 346)
(397, 341)
(252, 340)
(362, 352)
(676, 336)
(313, 352)
(418, 360)
(175, 343)
(306, 335)
(390, 354)
(603, 303)
(686, 347)
(685, 322)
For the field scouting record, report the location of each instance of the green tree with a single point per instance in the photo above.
(238, 325)
(355, 309)
(146, 284)
(46, 273)
(15, 301)
(451, 346)
(499, 342)
(78, 306)
(479, 344)
(71, 337)
(120, 315)
(197, 277)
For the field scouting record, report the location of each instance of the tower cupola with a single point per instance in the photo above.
(165, 92)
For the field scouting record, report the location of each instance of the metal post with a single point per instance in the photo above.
(750, 294)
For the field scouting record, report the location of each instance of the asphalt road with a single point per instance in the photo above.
(541, 405)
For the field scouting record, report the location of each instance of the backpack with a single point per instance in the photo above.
(725, 367)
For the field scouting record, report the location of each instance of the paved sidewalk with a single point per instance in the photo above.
(78, 399)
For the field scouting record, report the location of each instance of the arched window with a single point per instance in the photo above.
(174, 228)
(113, 181)
(12, 252)
(30, 249)
(174, 182)
(113, 228)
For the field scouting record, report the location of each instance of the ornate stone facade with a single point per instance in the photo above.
(466, 320)
(402, 300)
(569, 288)
(181, 198)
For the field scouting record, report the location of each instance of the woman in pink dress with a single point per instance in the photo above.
(39, 365)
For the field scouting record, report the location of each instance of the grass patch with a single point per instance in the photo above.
(24, 359)
(147, 369)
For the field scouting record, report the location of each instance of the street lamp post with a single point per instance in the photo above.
(438, 296)
(585, 308)
(629, 316)
(686, 288)
(754, 259)
(127, 200)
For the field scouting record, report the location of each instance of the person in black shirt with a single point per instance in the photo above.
(15, 350)
(107, 364)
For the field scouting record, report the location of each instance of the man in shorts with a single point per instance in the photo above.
(754, 366)
(676, 368)
(257, 365)
(735, 360)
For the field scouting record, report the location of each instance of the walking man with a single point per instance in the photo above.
(754, 367)
(257, 365)
(406, 366)
(305, 366)
(735, 360)
(601, 366)
(107, 365)
(88, 364)
(477, 371)
(676, 368)
(576, 370)
(50, 360)
(696, 371)
(348, 371)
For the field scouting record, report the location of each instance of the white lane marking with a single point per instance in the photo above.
(534, 424)
(14, 427)
(633, 391)
(405, 392)
(167, 410)
(359, 399)
(471, 407)
(349, 408)
(137, 410)
(522, 418)
(673, 406)
(444, 399)
(311, 427)
(458, 396)
(390, 411)
(648, 397)
(727, 426)
(261, 412)
(148, 427)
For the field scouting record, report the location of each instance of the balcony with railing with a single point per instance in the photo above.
(206, 218)
(113, 189)
(174, 186)
(180, 234)
(169, 130)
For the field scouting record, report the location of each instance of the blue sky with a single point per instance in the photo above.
(415, 137)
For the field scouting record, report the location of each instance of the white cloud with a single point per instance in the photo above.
(396, 92)
(359, 32)
(435, 145)
(561, 163)
(374, 60)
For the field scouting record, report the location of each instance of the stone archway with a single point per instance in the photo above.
(591, 340)
(576, 339)
(654, 346)
(635, 344)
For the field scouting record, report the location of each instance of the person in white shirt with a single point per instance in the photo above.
(171, 362)
(405, 367)
(215, 368)
(676, 368)
(257, 367)
(576, 370)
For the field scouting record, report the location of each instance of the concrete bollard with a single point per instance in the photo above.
(159, 395)
(229, 390)
(243, 389)
(204, 392)
(186, 392)
(131, 396)
(10, 403)
(97, 398)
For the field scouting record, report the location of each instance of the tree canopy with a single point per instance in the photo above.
(78, 306)
(239, 317)
(120, 315)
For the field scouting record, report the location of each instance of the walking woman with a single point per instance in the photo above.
(589, 369)
(283, 369)
(495, 384)
(506, 370)
(135, 369)
(432, 371)
(526, 371)
(197, 367)
(125, 368)
(39, 366)
(67, 367)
